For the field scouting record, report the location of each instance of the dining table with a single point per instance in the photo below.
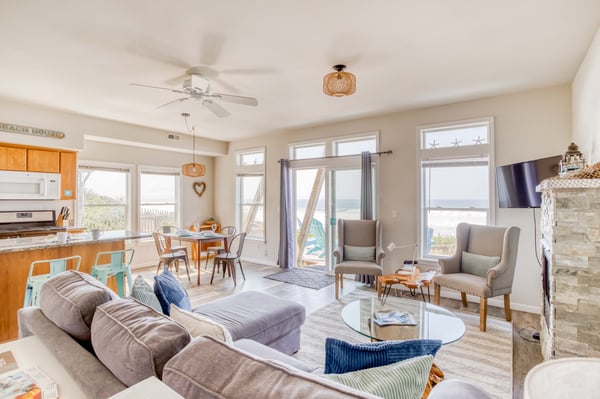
(198, 237)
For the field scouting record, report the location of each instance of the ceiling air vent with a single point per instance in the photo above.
(173, 136)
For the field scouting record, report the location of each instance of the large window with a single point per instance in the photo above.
(159, 199)
(103, 197)
(250, 193)
(455, 182)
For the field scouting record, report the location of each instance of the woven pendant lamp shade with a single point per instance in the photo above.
(193, 169)
(339, 83)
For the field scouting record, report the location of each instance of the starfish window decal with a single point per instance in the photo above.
(479, 140)
(456, 142)
(434, 144)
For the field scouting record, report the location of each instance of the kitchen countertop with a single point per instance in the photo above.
(50, 241)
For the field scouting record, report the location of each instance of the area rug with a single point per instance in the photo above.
(304, 278)
(483, 358)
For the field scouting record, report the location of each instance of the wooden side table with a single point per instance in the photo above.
(411, 280)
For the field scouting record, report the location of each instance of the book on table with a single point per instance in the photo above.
(16, 383)
(394, 318)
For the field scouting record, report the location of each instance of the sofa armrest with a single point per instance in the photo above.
(267, 353)
(94, 380)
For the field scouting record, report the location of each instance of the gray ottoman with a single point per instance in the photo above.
(270, 320)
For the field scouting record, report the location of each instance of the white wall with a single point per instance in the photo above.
(528, 125)
(586, 103)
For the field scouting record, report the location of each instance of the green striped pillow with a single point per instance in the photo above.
(143, 292)
(401, 380)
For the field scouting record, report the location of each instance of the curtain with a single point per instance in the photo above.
(286, 227)
(366, 202)
(366, 187)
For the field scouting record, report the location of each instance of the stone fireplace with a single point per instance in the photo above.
(570, 240)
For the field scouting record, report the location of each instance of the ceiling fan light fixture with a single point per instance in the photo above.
(339, 83)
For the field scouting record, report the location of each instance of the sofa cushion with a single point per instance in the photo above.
(343, 357)
(134, 341)
(401, 380)
(168, 290)
(143, 292)
(477, 264)
(198, 325)
(69, 300)
(208, 368)
(359, 253)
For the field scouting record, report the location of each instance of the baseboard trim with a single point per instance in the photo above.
(496, 301)
(259, 261)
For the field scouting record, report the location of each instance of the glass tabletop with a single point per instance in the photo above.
(431, 321)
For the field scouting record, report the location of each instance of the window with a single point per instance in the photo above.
(307, 151)
(355, 146)
(455, 182)
(103, 197)
(250, 193)
(159, 204)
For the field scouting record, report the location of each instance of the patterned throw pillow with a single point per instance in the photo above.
(343, 357)
(168, 291)
(477, 264)
(401, 380)
(143, 292)
(199, 325)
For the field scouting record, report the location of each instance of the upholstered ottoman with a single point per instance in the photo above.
(270, 320)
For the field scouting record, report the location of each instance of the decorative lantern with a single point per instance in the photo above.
(573, 159)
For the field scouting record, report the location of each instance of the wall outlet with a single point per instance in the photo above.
(172, 136)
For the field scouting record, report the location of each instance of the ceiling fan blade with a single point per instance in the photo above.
(176, 80)
(156, 87)
(236, 99)
(216, 108)
(174, 101)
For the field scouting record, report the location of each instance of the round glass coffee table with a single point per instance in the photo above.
(431, 321)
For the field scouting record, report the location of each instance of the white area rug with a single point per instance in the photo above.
(484, 359)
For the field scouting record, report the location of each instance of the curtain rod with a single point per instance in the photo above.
(344, 156)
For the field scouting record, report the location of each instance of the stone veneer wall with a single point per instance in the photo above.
(570, 228)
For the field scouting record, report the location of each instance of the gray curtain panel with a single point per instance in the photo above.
(366, 202)
(286, 226)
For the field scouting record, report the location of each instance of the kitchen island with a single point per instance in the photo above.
(16, 256)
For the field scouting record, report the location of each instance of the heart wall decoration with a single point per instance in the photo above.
(199, 187)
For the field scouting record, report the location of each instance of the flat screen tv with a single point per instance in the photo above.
(516, 182)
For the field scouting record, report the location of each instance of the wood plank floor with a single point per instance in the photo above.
(526, 351)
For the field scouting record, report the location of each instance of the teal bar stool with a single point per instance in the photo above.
(120, 264)
(35, 281)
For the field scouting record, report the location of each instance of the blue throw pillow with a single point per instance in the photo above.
(168, 291)
(343, 357)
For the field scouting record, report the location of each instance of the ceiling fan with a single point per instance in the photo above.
(197, 87)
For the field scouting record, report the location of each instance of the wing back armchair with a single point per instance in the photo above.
(483, 265)
(359, 250)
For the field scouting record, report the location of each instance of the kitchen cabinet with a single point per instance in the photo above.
(12, 158)
(43, 161)
(68, 175)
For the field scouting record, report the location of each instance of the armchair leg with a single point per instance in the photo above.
(507, 307)
(378, 287)
(463, 298)
(342, 280)
(337, 286)
(436, 293)
(482, 314)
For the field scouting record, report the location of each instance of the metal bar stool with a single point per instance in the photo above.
(119, 265)
(35, 281)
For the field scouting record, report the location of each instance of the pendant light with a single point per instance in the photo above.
(339, 83)
(192, 169)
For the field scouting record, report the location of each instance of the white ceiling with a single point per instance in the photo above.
(80, 56)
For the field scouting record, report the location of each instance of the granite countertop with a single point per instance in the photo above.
(50, 241)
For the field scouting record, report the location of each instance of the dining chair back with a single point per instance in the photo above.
(35, 280)
(228, 232)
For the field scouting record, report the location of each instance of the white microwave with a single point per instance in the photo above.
(29, 185)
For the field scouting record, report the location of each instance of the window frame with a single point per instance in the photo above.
(248, 171)
(449, 155)
(148, 169)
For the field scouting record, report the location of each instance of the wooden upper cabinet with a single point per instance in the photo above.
(68, 175)
(43, 161)
(12, 158)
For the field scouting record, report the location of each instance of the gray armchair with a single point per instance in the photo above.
(359, 251)
(483, 265)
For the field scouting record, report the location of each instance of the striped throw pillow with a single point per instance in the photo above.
(402, 380)
(143, 292)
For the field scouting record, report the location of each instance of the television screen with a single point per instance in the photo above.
(516, 182)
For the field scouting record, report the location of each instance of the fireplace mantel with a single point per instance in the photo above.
(570, 240)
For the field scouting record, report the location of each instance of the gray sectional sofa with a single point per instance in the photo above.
(107, 343)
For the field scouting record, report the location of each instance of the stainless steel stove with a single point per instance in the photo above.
(28, 223)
